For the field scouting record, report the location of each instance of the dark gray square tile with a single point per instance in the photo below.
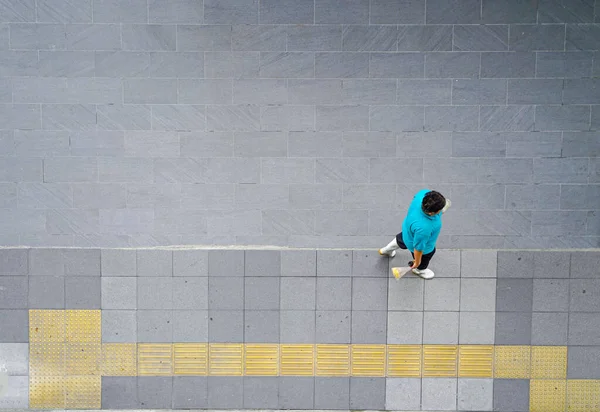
(46, 262)
(332, 393)
(369, 326)
(14, 326)
(119, 292)
(13, 292)
(155, 293)
(119, 326)
(334, 293)
(453, 12)
(190, 293)
(585, 264)
(510, 11)
(263, 263)
(584, 328)
(511, 395)
(82, 292)
(551, 295)
(120, 392)
(549, 328)
(190, 392)
(154, 326)
(369, 294)
(515, 264)
(261, 326)
(443, 295)
(46, 292)
(155, 263)
(513, 328)
(226, 326)
(334, 263)
(296, 392)
(225, 293)
(297, 326)
(82, 262)
(333, 326)
(261, 293)
(585, 295)
(190, 263)
(368, 263)
(551, 264)
(261, 392)
(155, 392)
(226, 263)
(514, 295)
(583, 362)
(298, 263)
(118, 262)
(367, 393)
(14, 262)
(298, 293)
(190, 326)
(225, 392)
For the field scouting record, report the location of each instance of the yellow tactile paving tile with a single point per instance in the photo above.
(84, 326)
(83, 392)
(548, 362)
(190, 359)
(547, 395)
(333, 360)
(404, 361)
(440, 361)
(226, 359)
(47, 392)
(368, 360)
(47, 325)
(475, 361)
(119, 359)
(261, 360)
(155, 359)
(583, 395)
(47, 359)
(83, 358)
(512, 362)
(297, 360)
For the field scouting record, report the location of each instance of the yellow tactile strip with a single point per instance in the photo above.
(333, 360)
(404, 361)
(368, 360)
(297, 360)
(190, 359)
(475, 361)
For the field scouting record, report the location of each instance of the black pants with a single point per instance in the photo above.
(424, 260)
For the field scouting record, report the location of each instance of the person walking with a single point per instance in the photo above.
(420, 231)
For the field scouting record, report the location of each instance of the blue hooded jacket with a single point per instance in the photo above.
(419, 230)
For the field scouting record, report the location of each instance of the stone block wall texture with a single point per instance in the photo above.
(305, 123)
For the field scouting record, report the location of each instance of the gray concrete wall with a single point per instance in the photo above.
(298, 122)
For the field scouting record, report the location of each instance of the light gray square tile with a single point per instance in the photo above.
(549, 329)
(369, 264)
(367, 393)
(446, 264)
(15, 358)
(190, 326)
(297, 326)
(585, 264)
(334, 263)
(16, 394)
(439, 394)
(443, 295)
(478, 294)
(550, 295)
(155, 293)
(119, 326)
(513, 328)
(190, 263)
(440, 328)
(403, 394)
(332, 393)
(46, 292)
(190, 392)
(154, 263)
(190, 293)
(263, 263)
(514, 295)
(333, 326)
(511, 395)
(14, 326)
(226, 263)
(226, 326)
(405, 328)
(261, 326)
(298, 293)
(119, 292)
(261, 392)
(262, 293)
(296, 392)
(298, 263)
(154, 326)
(82, 292)
(369, 294)
(369, 326)
(475, 394)
(13, 292)
(477, 328)
(118, 262)
(225, 293)
(406, 294)
(226, 392)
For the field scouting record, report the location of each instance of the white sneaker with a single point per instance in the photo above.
(389, 254)
(425, 273)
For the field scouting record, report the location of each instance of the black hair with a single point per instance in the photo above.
(433, 202)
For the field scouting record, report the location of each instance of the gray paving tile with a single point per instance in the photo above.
(513, 328)
(288, 12)
(478, 263)
(571, 13)
(15, 358)
(225, 263)
(440, 328)
(478, 294)
(225, 392)
(204, 38)
(190, 263)
(14, 262)
(22, 12)
(332, 393)
(334, 263)
(443, 295)
(549, 328)
(585, 265)
(298, 263)
(514, 295)
(225, 293)
(480, 38)
(154, 326)
(296, 392)
(551, 265)
(261, 326)
(583, 362)
(367, 393)
(314, 38)
(298, 293)
(82, 293)
(564, 65)
(403, 394)
(405, 328)
(341, 65)
(332, 171)
(190, 392)
(396, 12)
(535, 91)
(550, 295)
(155, 293)
(396, 65)
(261, 392)
(262, 293)
(344, 118)
(562, 118)
(151, 37)
(515, 264)
(369, 294)
(369, 38)
(439, 394)
(119, 326)
(14, 326)
(13, 292)
(190, 326)
(46, 292)
(583, 329)
(547, 37)
(190, 293)
(120, 392)
(507, 65)
(511, 395)
(584, 295)
(451, 118)
(368, 264)
(477, 328)
(262, 263)
(406, 294)
(118, 262)
(46, 262)
(297, 326)
(369, 326)
(445, 65)
(226, 326)
(333, 326)
(155, 392)
(425, 38)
